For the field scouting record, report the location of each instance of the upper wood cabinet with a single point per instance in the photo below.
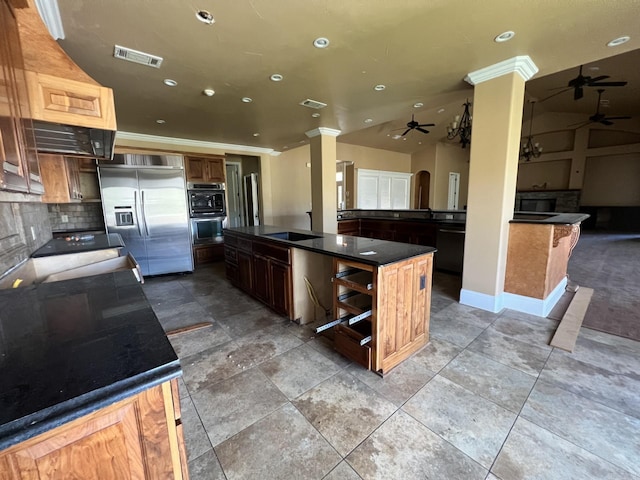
(204, 169)
(18, 157)
(59, 100)
(61, 179)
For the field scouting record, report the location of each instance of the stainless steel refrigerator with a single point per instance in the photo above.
(148, 208)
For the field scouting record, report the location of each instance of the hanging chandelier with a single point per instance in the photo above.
(461, 126)
(530, 149)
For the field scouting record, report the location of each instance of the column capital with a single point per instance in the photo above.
(522, 65)
(331, 132)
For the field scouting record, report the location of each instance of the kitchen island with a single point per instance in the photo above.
(372, 296)
(88, 383)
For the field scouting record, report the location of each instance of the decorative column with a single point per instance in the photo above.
(493, 170)
(324, 201)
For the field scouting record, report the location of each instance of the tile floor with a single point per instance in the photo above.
(487, 398)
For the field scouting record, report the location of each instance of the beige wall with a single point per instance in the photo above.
(612, 181)
(374, 158)
(424, 160)
(554, 175)
(450, 158)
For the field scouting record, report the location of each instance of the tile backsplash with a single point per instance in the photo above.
(66, 217)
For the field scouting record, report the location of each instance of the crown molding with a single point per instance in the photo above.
(523, 65)
(275, 153)
(330, 132)
(186, 142)
(50, 15)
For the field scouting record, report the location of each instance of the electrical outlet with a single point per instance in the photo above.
(33, 233)
(64, 218)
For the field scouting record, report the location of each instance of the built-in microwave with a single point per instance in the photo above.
(207, 229)
(206, 199)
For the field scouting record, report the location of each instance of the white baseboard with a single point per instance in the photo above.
(520, 303)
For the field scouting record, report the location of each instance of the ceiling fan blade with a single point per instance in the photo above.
(604, 121)
(406, 131)
(607, 84)
(597, 79)
(427, 125)
(578, 93)
(619, 118)
(420, 129)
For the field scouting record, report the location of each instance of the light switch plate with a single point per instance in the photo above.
(64, 218)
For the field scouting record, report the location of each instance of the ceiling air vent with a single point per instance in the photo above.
(137, 57)
(313, 104)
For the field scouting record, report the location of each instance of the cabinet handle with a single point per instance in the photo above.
(460, 232)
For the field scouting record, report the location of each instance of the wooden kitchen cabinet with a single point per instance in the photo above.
(61, 179)
(261, 269)
(18, 157)
(139, 437)
(349, 227)
(204, 169)
(207, 253)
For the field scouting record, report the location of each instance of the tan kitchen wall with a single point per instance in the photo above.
(450, 158)
(290, 188)
(423, 160)
(612, 181)
(374, 158)
(552, 175)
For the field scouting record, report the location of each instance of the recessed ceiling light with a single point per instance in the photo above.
(209, 92)
(170, 83)
(397, 136)
(505, 36)
(321, 42)
(315, 115)
(418, 105)
(594, 68)
(247, 99)
(441, 110)
(256, 134)
(368, 120)
(205, 17)
(379, 88)
(619, 41)
(160, 121)
(276, 77)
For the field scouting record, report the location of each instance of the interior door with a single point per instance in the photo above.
(121, 206)
(165, 221)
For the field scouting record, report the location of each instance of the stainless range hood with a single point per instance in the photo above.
(73, 140)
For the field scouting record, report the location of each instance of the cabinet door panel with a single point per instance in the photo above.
(261, 285)
(195, 169)
(280, 287)
(215, 170)
(245, 271)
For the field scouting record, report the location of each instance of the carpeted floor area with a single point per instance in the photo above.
(609, 262)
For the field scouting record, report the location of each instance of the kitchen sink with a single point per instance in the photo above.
(291, 236)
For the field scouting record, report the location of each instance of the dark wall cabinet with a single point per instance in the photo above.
(262, 269)
(406, 231)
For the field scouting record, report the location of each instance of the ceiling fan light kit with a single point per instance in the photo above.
(461, 126)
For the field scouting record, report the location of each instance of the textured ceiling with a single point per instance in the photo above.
(421, 50)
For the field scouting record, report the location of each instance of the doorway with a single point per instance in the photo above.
(421, 192)
(235, 206)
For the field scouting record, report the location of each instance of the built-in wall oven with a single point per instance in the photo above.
(208, 212)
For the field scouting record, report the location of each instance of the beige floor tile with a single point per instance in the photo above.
(267, 343)
(191, 342)
(344, 410)
(343, 472)
(196, 439)
(403, 448)
(475, 426)
(436, 354)
(281, 445)
(206, 467)
(234, 404)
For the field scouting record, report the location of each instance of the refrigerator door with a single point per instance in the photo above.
(121, 204)
(165, 220)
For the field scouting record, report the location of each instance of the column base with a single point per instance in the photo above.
(520, 303)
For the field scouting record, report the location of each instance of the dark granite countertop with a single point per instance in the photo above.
(552, 218)
(60, 246)
(364, 250)
(72, 347)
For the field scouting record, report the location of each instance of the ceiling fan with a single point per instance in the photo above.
(413, 125)
(581, 81)
(600, 117)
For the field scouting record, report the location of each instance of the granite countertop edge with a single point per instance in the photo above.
(47, 419)
(262, 232)
(556, 219)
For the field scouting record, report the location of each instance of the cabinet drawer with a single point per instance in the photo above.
(230, 239)
(348, 342)
(230, 253)
(245, 245)
(272, 251)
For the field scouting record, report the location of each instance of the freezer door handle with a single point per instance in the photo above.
(144, 216)
(135, 209)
